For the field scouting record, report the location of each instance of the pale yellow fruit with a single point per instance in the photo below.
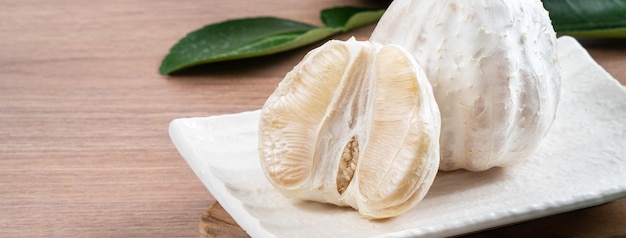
(353, 124)
(494, 70)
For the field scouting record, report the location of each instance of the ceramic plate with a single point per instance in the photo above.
(581, 163)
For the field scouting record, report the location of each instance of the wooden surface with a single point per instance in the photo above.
(84, 149)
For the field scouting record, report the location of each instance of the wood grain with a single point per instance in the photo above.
(84, 148)
(217, 223)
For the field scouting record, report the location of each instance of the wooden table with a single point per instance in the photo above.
(84, 148)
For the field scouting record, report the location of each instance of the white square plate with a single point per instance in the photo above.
(581, 163)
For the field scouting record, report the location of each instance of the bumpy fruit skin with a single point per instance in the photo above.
(494, 70)
(353, 124)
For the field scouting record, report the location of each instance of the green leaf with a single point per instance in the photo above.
(597, 18)
(348, 18)
(252, 37)
(226, 40)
